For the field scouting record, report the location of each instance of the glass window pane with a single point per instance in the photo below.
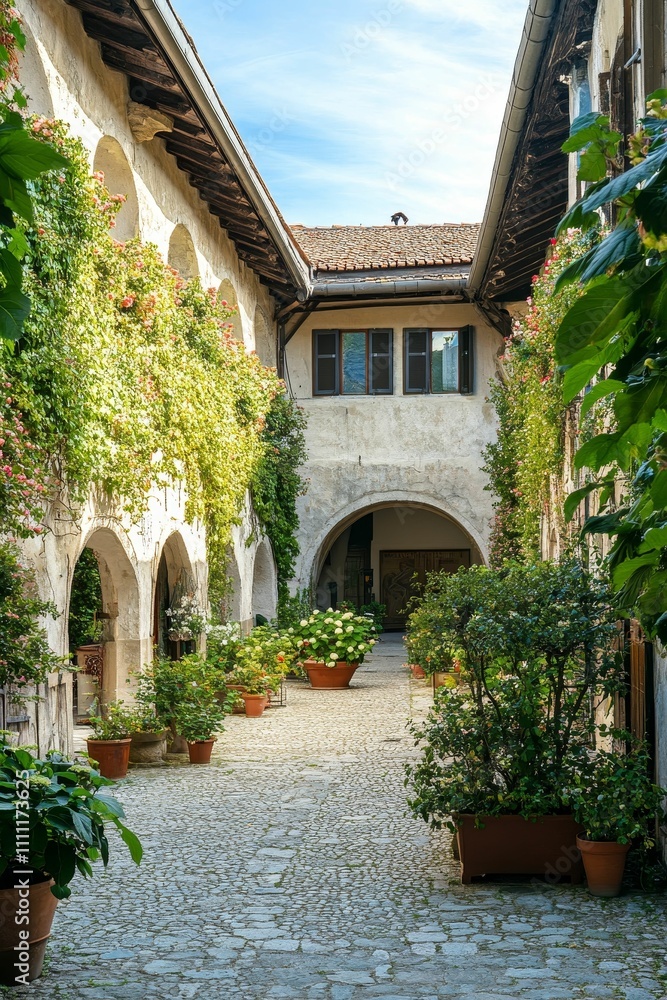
(445, 361)
(354, 363)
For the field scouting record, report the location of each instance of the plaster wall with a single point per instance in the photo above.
(365, 450)
(64, 76)
(607, 30)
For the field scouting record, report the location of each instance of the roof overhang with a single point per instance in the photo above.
(529, 187)
(145, 40)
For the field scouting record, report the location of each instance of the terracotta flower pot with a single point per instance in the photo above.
(417, 671)
(41, 906)
(254, 704)
(200, 752)
(113, 756)
(148, 748)
(604, 864)
(326, 678)
(512, 845)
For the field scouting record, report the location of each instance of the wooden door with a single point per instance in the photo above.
(403, 574)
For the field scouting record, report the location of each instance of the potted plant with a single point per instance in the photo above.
(197, 719)
(536, 645)
(53, 815)
(148, 731)
(262, 659)
(110, 742)
(616, 803)
(187, 620)
(253, 687)
(331, 646)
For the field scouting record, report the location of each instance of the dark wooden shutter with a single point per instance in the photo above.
(416, 375)
(381, 344)
(466, 358)
(326, 364)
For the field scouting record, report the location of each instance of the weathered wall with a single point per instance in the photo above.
(367, 450)
(64, 76)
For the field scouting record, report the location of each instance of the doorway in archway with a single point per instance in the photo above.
(174, 584)
(386, 553)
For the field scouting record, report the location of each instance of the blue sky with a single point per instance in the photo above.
(355, 109)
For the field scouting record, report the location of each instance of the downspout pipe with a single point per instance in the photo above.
(371, 289)
(540, 16)
(166, 27)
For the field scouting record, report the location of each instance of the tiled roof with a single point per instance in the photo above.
(365, 248)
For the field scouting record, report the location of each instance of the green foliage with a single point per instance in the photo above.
(276, 482)
(25, 656)
(617, 330)
(535, 645)
(67, 811)
(85, 602)
(376, 611)
(292, 608)
(528, 400)
(329, 636)
(614, 798)
(199, 716)
(262, 658)
(22, 159)
(117, 722)
(126, 375)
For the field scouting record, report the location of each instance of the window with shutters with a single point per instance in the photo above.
(353, 362)
(438, 361)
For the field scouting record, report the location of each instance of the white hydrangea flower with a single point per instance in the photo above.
(338, 631)
(350, 649)
(303, 623)
(334, 656)
(350, 628)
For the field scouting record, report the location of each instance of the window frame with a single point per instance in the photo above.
(339, 374)
(465, 379)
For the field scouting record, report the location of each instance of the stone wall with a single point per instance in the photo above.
(411, 450)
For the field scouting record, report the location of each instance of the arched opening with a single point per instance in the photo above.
(182, 254)
(264, 583)
(227, 294)
(385, 552)
(174, 601)
(33, 77)
(104, 622)
(111, 161)
(232, 609)
(265, 340)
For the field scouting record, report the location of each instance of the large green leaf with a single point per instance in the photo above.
(600, 451)
(629, 567)
(618, 187)
(601, 389)
(598, 314)
(655, 538)
(659, 490)
(583, 129)
(14, 195)
(24, 157)
(617, 246)
(651, 205)
(639, 403)
(132, 841)
(573, 499)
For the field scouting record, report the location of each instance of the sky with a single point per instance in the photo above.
(355, 109)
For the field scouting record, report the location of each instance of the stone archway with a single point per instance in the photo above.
(124, 645)
(182, 255)
(227, 294)
(383, 552)
(119, 179)
(264, 582)
(232, 609)
(173, 580)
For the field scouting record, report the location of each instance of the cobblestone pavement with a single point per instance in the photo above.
(289, 869)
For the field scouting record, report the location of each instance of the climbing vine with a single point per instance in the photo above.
(128, 377)
(276, 482)
(529, 405)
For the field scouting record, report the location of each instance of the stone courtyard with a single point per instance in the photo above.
(289, 868)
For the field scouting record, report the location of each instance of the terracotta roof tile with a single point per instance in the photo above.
(361, 248)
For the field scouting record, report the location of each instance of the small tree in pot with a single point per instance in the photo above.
(536, 646)
(110, 742)
(616, 803)
(53, 818)
(198, 717)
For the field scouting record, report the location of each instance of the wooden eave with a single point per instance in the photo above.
(127, 46)
(537, 194)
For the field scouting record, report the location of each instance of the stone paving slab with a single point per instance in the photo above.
(289, 869)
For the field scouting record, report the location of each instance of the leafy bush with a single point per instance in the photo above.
(328, 636)
(377, 612)
(66, 810)
(536, 647)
